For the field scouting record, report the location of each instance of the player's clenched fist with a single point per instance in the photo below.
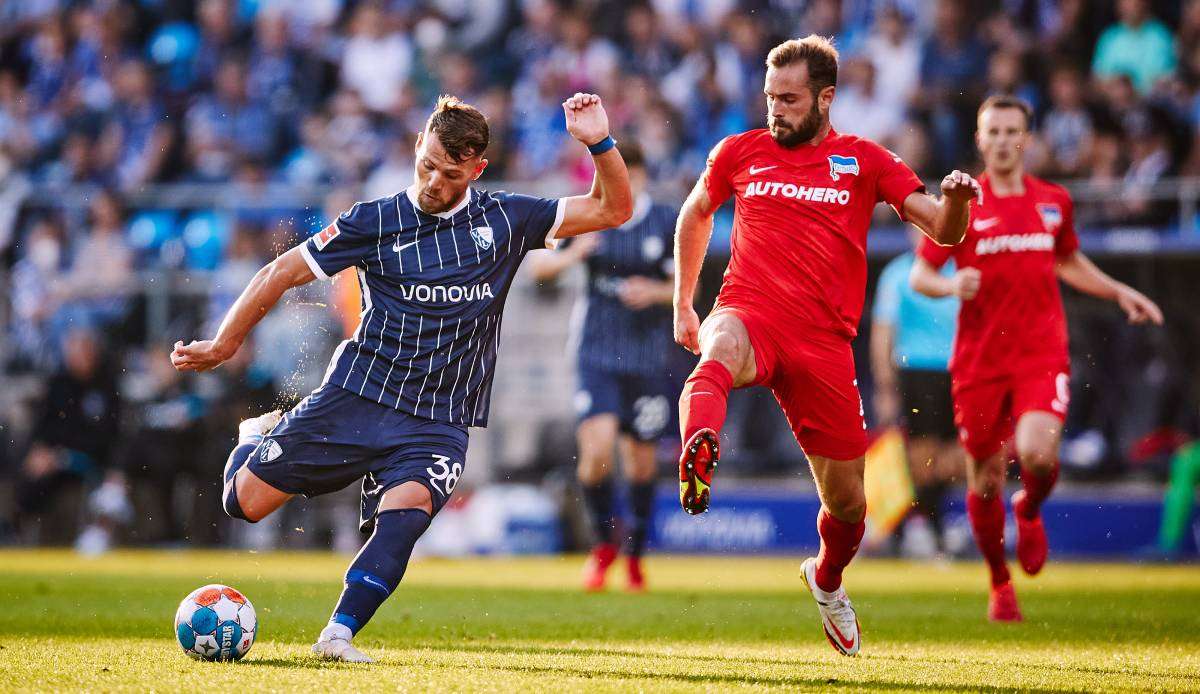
(966, 283)
(586, 118)
(959, 185)
(687, 329)
(200, 355)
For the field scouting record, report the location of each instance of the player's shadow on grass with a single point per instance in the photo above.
(758, 660)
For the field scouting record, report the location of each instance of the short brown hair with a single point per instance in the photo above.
(817, 52)
(1007, 101)
(460, 127)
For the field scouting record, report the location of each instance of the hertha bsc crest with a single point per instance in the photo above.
(482, 236)
(1051, 215)
(839, 165)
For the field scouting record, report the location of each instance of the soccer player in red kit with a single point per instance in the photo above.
(793, 294)
(1010, 361)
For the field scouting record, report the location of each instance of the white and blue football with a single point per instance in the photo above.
(216, 622)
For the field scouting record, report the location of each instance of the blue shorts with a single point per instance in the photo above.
(334, 438)
(644, 405)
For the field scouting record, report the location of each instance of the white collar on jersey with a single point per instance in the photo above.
(641, 208)
(411, 192)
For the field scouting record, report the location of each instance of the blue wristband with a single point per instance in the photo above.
(602, 146)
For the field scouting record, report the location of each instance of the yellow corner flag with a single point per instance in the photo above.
(887, 484)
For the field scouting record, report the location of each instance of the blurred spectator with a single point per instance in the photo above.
(1139, 46)
(859, 108)
(34, 287)
(1067, 126)
(229, 124)
(895, 53)
(135, 142)
(72, 440)
(94, 290)
(377, 58)
(953, 64)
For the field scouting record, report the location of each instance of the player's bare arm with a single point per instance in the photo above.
(944, 219)
(692, 233)
(610, 202)
(1081, 273)
(638, 292)
(547, 265)
(260, 296)
(925, 279)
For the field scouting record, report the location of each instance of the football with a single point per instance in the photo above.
(216, 622)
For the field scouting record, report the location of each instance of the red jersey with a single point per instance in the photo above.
(799, 246)
(1016, 321)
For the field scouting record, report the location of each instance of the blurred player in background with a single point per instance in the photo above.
(793, 295)
(1010, 362)
(434, 262)
(912, 336)
(624, 394)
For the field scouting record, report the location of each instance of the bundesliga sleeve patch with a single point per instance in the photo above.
(329, 233)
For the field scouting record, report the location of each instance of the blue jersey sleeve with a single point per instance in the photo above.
(351, 238)
(534, 219)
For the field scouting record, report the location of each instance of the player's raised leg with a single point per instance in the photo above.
(1037, 437)
(246, 496)
(985, 510)
(596, 437)
(840, 523)
(403, 516)
(726, 362)
(638, 459)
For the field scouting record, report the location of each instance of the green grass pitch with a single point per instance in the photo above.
(723, 623)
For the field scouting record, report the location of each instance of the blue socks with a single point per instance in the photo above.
(379, 566)
(598, 500)
(237, 460)
(641, 502)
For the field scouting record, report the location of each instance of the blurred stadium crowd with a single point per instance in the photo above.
(154, 153)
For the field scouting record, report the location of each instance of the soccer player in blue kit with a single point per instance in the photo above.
(434, 263)
(625, 392)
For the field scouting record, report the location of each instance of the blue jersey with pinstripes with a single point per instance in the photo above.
(613, 337)
(433, 289)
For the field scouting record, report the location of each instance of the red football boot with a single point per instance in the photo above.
(1002, 604)
(696, 467)
(595, 570)
(1032, 546)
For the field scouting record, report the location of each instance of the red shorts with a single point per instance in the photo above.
(985, 411)
(811, 373)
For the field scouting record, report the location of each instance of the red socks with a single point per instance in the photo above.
(987, 520)
(704, 399)
(839, 543)
(1036, 490)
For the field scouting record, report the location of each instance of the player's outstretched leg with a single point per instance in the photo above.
(372, 577)
(1038, 436)
(250, 435)
(985, 510)
(727, 361)
(840, 485)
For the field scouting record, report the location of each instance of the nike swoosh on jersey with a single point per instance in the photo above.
(399, 248)
(755, 170)
(983, 224)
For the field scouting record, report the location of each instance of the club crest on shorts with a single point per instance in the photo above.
(1051, 215)
(270, 451)
(839, 165)
(482, 236)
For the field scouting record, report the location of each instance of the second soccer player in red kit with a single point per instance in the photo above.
(1010, 361)
(793, 294)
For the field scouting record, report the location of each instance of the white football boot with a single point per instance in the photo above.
(340, 649)
(260, 425)
(837, 614)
